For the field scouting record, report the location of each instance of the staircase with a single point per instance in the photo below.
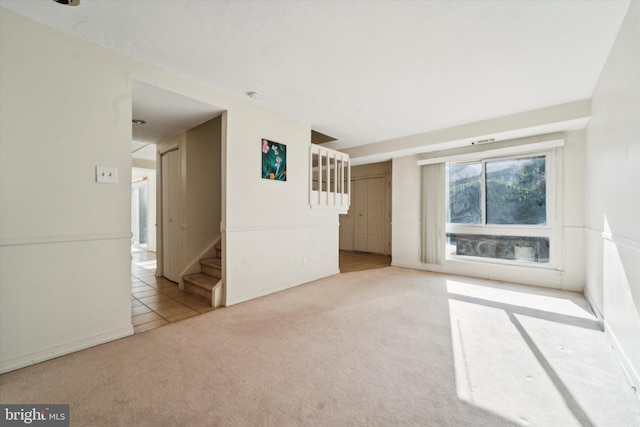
(208, 283)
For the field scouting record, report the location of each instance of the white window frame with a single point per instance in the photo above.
(550, 230)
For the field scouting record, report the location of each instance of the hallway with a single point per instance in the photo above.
(156, 301)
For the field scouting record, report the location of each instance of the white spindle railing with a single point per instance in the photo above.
(329, 179)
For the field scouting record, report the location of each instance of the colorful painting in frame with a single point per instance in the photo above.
(274, 160)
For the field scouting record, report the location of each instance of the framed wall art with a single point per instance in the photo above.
(274, 160)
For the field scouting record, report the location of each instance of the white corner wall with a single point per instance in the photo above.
(612, 195)
(406, 226)
(273, 239)
(65, 240)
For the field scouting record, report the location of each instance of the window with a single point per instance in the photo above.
(501, 209)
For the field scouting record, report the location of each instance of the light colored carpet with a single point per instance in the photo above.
(383, 347)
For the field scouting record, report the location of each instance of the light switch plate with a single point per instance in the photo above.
(106, 175)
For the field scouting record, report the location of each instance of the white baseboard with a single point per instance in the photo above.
(631, 373)
(57, 351)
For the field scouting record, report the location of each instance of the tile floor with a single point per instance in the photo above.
(156, 301)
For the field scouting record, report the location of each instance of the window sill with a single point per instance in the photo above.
(504, 262)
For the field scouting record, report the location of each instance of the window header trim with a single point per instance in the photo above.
(494, 149)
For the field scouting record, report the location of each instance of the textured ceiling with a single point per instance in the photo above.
(363, 71)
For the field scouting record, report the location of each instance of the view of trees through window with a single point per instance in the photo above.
(516, 191)
(465, 194)
(498, 192)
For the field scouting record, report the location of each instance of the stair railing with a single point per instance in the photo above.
(329, 179)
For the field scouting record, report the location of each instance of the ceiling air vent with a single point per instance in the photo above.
(68, 2)
(483, 141)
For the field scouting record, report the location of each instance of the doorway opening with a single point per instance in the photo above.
(159, 115)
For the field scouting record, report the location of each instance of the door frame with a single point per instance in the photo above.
(387, 202)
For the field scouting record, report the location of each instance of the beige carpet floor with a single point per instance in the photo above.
(384, 347)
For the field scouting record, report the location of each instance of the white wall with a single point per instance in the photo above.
(406, 226)
(612, 195)
(64, 278)
(204, 185)
(273, 239)
(64, 273)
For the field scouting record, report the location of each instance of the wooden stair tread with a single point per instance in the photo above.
(202, 280)
(213, 262)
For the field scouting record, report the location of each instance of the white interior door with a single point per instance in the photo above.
(170, 215)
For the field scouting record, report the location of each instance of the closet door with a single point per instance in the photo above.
(375, 215)
(368, 207)
(170, 215)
